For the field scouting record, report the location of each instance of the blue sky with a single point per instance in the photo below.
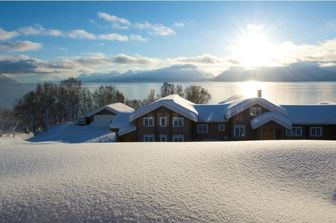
(90, 37)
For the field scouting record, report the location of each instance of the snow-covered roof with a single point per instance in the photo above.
(122, 122)
(172, 102)
(211, 113)
(279, 118)
(115, 108)
(312, 114)
(240, 105)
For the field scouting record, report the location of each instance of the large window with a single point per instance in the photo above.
(148, 121)
(295, 131)
(178, 121)
(221, 127)
(163, 121)
(254, 111)
(202, 128)
(239, 130)
(316, 131)
(163, 138)
(178, 138)
(148, 138)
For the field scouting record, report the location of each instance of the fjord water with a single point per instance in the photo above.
(278, 92)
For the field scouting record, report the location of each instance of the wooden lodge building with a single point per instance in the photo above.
(173, 118)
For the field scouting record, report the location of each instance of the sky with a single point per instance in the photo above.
(50, 40)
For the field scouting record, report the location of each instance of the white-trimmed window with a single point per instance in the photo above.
(202, 128)
(163, 121)
(178, 121)
(239, 130)
(254, 111)
(148, 121)
(221, 127)
(148, 138)
(163, 138)
(178, 138)
(295, 131)
(316, 131)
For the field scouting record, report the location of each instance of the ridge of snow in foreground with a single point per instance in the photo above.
(269, 181)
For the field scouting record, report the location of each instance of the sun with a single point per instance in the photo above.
(253, 48)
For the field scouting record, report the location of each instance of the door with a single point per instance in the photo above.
(267, 133)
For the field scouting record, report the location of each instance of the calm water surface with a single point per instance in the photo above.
(278, 92)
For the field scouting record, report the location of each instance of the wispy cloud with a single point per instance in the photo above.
(20, 46)
(152, 28)
(4, 35)
(38, 30)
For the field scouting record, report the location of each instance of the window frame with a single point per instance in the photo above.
(240, 126)
(315, 127)
(255, 113)
(178, 136)
(148, 118)
(203, 131)
(148, 136)
(219, 129)
(289, 132)
(163, 136)
(163, 118)
(182, 122)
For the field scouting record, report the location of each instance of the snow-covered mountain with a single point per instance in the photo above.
(186, 72)
(293, 72)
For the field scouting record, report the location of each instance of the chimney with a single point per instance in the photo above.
(259, 93)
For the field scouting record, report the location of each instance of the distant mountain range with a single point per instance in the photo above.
(184, 73)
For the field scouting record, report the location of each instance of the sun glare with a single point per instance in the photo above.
(250, 88)
(253, 47)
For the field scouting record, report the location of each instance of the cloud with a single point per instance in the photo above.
(153, 29)
(81, 34)
(138, 38)
(5, 35)
(20, 46)
(179, 24)
(125, 59)
(113, 37)
(113, 18)
(205, 59)
(39, 30)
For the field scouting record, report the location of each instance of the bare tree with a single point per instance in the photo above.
(105, 95)
(197, 94)
(170, 88)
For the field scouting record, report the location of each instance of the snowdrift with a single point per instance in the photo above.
(274, 181)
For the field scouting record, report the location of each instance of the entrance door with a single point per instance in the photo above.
(267, 133)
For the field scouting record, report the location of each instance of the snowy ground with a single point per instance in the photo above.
(73, 133)
(275, 181)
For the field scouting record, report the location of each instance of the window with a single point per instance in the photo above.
(148, 138)
(254, 111)
(239, 130)
(202, 128)
(178, 138)
(148, 121)
(163, 138)
(163, 121)
(316, 131)
(295, 131)
(221, 127)
(178, 121)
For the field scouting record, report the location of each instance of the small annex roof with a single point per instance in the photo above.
(122, 123)
(279, 118)
(114, 108)
(173, 102)
(211, 113)
(312, 114)
(241, 104)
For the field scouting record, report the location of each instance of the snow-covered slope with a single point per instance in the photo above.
(274, 181)
(73, 133)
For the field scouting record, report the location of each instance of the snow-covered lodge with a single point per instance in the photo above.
(173, 118)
